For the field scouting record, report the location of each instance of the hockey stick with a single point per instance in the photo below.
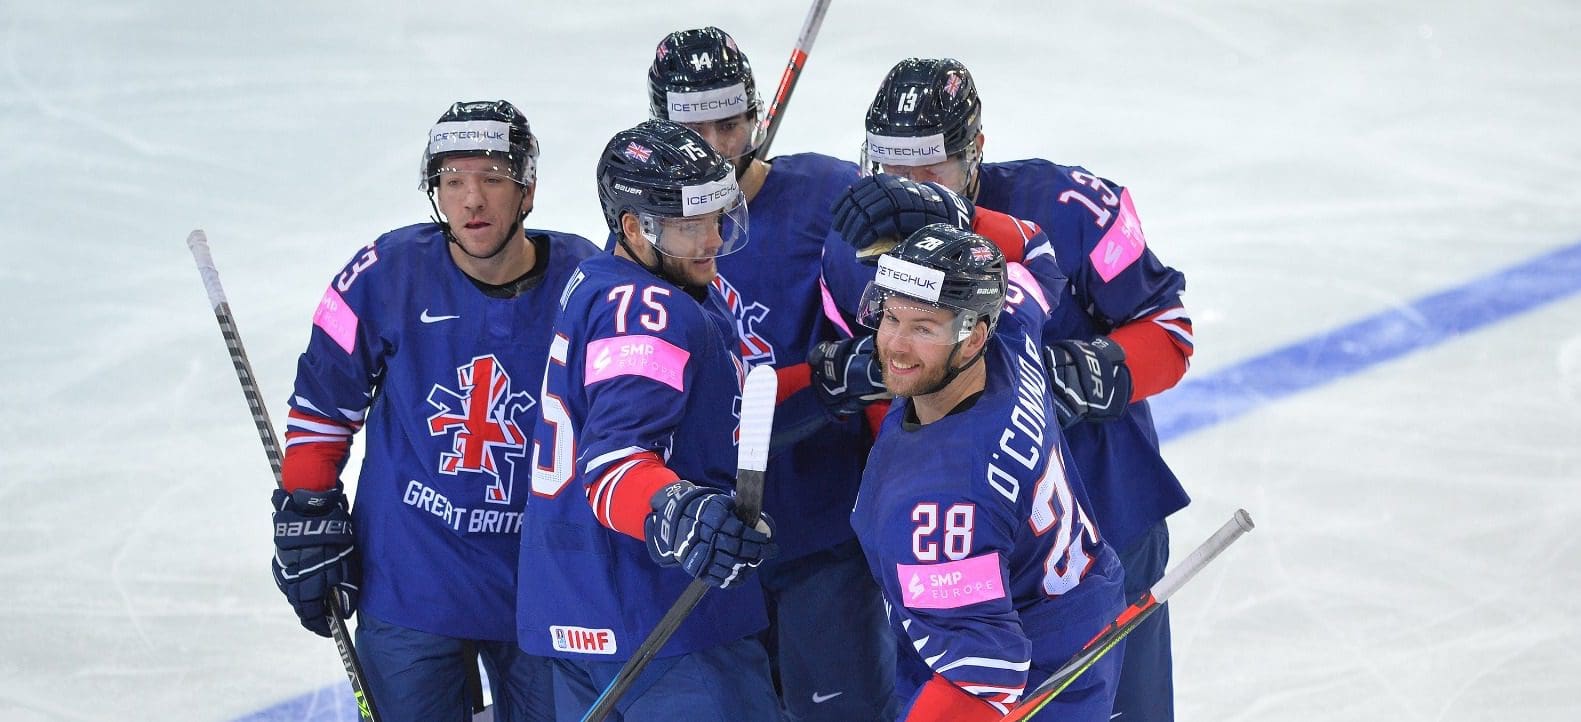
(757, 422)
(198, 243)
(1133, 616)
(798, 58)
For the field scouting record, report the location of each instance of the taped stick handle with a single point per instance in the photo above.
(198, 243)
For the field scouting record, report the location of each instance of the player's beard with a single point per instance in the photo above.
(924, 379)
(687, 272)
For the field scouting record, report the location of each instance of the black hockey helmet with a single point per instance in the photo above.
(945, 267)
(700, 75)
(926, 111)
(662, 172)
(482, 128)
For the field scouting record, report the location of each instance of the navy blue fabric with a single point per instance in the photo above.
(724, 683)
(415, 676)
(1147, 691)
(825, 600)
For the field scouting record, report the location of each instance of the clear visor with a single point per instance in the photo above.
(898, 316)
(450, 176)
(732, 137)
(953, 172)
(707, 235)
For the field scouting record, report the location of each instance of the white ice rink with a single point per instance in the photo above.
(1308, 164)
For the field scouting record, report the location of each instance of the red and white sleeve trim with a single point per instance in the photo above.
(621, 496)
(1158, 350)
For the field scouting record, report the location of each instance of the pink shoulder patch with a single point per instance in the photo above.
(951, 584)
(1122, 244)
(337, 319)
(1020, 276)
(646, 356)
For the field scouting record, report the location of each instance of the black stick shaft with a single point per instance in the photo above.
(198, 243)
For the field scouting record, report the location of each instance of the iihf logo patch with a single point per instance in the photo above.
(482, 416)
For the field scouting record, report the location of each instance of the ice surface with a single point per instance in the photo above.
(1306, 163)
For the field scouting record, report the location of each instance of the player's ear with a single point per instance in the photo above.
(631, 228)
(979, 142)
(528, 194)
(975, 342)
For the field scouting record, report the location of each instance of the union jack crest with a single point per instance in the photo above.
(639, 153)
(663, 51)
(755, 349)
(482, 417)
(982, 254)
(952, 84)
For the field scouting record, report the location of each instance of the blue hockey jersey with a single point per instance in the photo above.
(976, 527)
(447, 379)
(1114, 279)
(771, 287)
(636, 365)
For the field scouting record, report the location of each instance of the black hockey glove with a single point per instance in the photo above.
(846, 375)
(1090, 380)
(696, 528)
(883, 206)
(315, 554)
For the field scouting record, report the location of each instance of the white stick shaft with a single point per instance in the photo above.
(1202, 555)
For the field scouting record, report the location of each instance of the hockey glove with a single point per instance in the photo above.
(879, 207)
(846, 375)
(696, 528)
(1090, 380)
(315, 554)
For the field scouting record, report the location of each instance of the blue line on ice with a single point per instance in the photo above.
(1200, 402)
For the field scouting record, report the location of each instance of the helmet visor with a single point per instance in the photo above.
(733, 137)
(490, 138)
(922, 159)
(451, 174)
(715, 224)
(895, 315)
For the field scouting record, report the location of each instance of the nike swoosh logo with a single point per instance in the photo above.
(821, 698)
(425, 318)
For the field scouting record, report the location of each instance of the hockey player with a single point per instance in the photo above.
(434, 335)
(635, 451)
(971, 513)
(1121, 337)
(830, 644)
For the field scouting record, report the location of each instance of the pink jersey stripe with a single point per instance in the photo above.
(650, 357)
(337, 319)
(951, 584)
(1122, 244)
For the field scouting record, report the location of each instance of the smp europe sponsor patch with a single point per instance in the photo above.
(337, 320)
(951, 584)
(639, 355)
(1122, 244)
